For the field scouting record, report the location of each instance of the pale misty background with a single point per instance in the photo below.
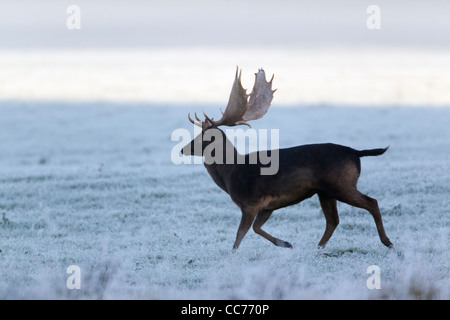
(86, 176)
(186, 51)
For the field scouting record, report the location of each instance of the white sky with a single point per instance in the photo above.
(149, 23)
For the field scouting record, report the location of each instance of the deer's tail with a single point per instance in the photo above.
(372, 152)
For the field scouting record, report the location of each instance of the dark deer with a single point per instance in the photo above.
(331, 171)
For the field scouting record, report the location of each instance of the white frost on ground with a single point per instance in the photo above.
(92, 184)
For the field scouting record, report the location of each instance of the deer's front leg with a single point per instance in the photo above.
(248, 215)
(261, 218)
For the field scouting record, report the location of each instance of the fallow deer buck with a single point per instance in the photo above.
(329, 170)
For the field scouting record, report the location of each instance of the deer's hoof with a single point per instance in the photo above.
(387, 243)
(287, 245)
(283, 244)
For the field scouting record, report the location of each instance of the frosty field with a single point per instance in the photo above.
(93, 185)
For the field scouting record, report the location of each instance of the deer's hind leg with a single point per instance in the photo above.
(357, 199)
(329, 208)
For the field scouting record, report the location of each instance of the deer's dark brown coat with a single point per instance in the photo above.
(331, 171)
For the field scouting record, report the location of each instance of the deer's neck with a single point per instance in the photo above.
(221, 167)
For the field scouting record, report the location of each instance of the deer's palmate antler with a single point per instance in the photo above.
(329, 170)
(240, 108)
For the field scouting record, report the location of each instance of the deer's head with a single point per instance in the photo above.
(241, 107)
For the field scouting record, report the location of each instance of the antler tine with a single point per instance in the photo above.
(244, 123)
(189, 117)
(193, 122)
(208, 118)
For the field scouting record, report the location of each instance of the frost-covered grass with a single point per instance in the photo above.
(93, 185)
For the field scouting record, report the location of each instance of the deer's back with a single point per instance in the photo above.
(302, 172)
